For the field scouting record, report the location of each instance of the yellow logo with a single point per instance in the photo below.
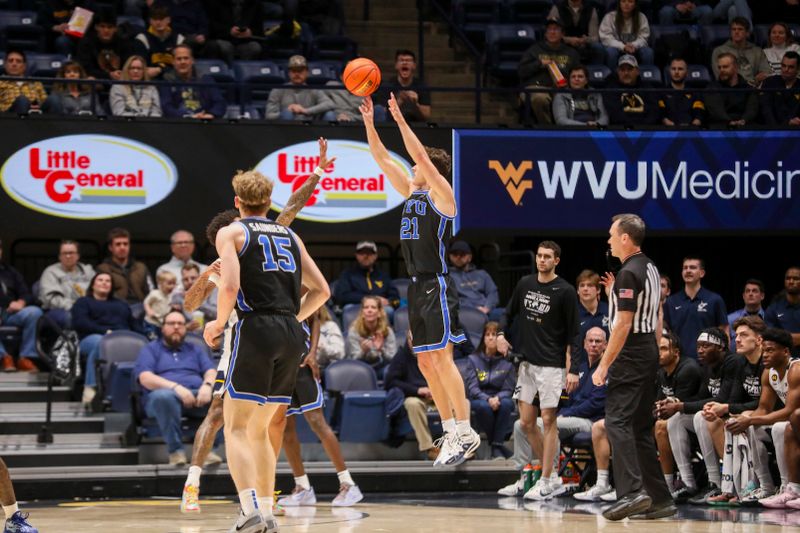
(511, 177)
(482, 375)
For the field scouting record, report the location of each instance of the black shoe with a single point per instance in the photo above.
(657, 510)
(683, 493)
(637, 502)
(702, 497)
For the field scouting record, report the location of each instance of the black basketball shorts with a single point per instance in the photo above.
(307, 393)
(433, 313)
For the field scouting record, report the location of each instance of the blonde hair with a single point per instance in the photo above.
(126, 69)
(165, 275)
(323, 314)
(253, 189)
(381, 326)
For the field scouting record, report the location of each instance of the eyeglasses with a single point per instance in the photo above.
(175, 324)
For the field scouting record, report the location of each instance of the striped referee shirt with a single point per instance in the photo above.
(637, 288)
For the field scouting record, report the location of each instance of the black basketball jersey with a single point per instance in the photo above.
(270, 270)
(424, 234)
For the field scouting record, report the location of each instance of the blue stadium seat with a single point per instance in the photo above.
(254, 74)
(196, 338)
(11, 336)
(698, 76)
(18, 29)
(651, 75)
(219, 71)
(472, 321)
(135, 24)
(348, 316)
(473, 16)
(116, 348)
(333, 48)
(401, 284)
(598, 75)
(321, 72)
(713, 35)
(345, 376)
(120, 387)
(527, 11)
(44, 65)
(505, 45)
(363, 416)
(400, 321)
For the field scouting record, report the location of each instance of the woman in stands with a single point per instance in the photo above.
(370, 338)
(780, 42)
(579, 107)
(490, 379)
(135, 100)
(93, 316)
(70, 98)
(331, 340)
(626, 31)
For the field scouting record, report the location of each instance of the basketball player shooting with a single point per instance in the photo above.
(425, 227)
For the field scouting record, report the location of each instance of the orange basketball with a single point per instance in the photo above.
(362, 76)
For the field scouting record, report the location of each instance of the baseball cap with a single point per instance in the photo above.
(460, 246)
(297, 61)
(366, 245)
(628, 59)
(557, 22)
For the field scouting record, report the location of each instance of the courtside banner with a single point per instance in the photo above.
(577, 180)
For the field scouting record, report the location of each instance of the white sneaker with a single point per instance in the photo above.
(459, 448)
(543, 490)
(609, 496)
(594, 494)
(252, 523)
(348, 495)
(758, 494)
(445, 445)
(299, 497)
(515, 489)
(557, 484)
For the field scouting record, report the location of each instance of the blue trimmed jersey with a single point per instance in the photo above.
(424, 234)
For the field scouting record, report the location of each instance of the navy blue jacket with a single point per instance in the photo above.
(489, 377)
(98, 316)
(588, 401)
(13, 287)
(403, 372)
(355, 283)
(209, 98)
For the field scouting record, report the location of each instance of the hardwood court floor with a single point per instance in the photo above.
(422, 513)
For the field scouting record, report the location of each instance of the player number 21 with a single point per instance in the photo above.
(409, 228)
(285, 262)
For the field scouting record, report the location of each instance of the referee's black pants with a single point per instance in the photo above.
(629, 419)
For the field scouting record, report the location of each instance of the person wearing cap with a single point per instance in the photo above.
(476, 289)
(730, 108)
(232, 28)
(102, 51)
(190, 101)
(534, 68)
(580, 25)
(294, 103)
(364, 279)
(629, 106)
(625, 30)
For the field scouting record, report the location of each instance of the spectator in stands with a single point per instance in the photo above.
(476, 289)
(731, 108)
(678, 106)
(779, 102)
(95, 315)
(753, 294)
(135, 100)
(592, 313)
(299, 104)
(694, 308)
(678, 380)
(404, 373)
(536, 68)
(364, 279)
(580, 25)
(179, 100)
(784, 311)
(182, 247)
(64, 282)
(779, 42)
(71, 98)
(666, 289)
(208, 308)
(490, 380)
(177, 378)
(751, 63)
(371, 338)
(626, 31)
(586, 404)
(630, 106)
(53, 16)
(728, 10)
(331, 341)
(131, 278)
(20, 97)
(156, 44)
(16, 309)
(190, 20)
(686, 12)
(233, 25)
(346, 104)
(102, 51)
(158, 301)
(718, 373)
(412, 95)
(579, 107)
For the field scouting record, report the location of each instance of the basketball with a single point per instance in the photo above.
(362, 76)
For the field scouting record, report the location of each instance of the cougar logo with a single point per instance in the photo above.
(511, 177)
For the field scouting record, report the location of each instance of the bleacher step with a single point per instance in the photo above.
(62, 441)
(35, 393)
(83, 456)
(22, 424)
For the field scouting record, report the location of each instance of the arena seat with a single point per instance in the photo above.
(44, 65)
(220, 72)
(135, 25)
(253, 74)
(116, 348)
(348, 317)
(333, 48)
(321, 72)
(359, 414)
(713, 35)
(505, 45)
(18, 29)
(527, 11)
(473, 17)
(473, 322)
(699, 76)
(10, 336)
(578, 455)
(401, 284)
(598, 75)
(651, 75)
(401, 326)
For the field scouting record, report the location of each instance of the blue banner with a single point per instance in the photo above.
(577, 180)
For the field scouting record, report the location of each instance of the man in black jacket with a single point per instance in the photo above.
(630, 106)
(16, 310)
(678, 106)
(782, 107)
(735, 104)
(363, 279)
(102, 52)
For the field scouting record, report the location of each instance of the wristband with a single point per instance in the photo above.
(319, 171)
(500, 334)
(214, 278)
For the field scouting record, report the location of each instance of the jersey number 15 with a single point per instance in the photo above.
(285, 260)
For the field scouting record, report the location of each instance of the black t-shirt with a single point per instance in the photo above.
(683, 383)
(746, 391)
(717, 384)
(410, 111)
(548, 319)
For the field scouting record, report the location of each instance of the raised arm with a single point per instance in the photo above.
(441, 191)
(300, 197)
(201, 288)
(400, 181)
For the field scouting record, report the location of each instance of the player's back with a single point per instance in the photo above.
(424, 232)
(270, 269)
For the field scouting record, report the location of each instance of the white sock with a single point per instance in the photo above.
(303, 482)
(193, 478)
(669, 478)
(554, 476)
(13, 508)
(689, 481)
(248, 501)
(265, 507)
(794, 486)
(602, 478)
(463, 428)
(344, 478)
(449, 425)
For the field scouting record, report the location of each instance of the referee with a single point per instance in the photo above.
(631, 363)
